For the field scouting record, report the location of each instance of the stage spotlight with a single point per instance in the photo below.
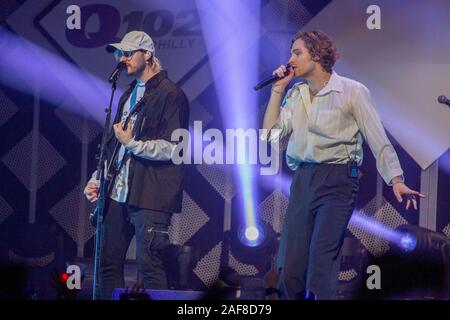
(417, 267)
(251, 236)
(408, 242)
(252, 233)
(229, 76)
(424, 243)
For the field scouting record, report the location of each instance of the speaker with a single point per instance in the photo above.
(121, 294)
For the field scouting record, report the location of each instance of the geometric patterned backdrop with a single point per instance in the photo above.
(46, 190)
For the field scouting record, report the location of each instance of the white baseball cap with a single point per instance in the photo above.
(133, 40)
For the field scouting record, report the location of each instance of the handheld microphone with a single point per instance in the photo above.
(116, 73)
(444, 100)
(271, 79)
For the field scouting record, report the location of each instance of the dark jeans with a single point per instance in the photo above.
(321, 202)
(120, 224)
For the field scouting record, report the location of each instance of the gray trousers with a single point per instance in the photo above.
(321, 202)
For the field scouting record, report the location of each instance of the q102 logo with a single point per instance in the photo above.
(157, 23)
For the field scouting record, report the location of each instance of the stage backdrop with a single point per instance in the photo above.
(53, 93)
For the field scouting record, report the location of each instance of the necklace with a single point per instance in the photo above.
(315, 93)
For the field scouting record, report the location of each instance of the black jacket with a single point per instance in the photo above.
(152, 184)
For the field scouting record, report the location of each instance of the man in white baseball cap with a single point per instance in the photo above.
(136, 43)
(147, 185)
(132, 41)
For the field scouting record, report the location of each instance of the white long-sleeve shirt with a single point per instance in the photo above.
(331, 129)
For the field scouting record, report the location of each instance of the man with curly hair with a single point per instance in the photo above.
(327, 117)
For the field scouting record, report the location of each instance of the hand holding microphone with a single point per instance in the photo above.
(280, 77)
(284, 74)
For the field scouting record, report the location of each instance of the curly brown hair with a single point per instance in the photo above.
(320, 47)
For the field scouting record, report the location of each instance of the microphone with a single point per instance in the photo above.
(444, 100)
(271, 79)
(116, 73)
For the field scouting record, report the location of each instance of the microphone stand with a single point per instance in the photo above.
(100, 205)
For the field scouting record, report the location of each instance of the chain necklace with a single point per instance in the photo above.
(323, 86)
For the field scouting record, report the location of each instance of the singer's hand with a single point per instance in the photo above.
(280, 72)
(401, 190)
(124, 136)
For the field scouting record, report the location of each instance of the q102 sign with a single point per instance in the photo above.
(157, 23)
(81, 30)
